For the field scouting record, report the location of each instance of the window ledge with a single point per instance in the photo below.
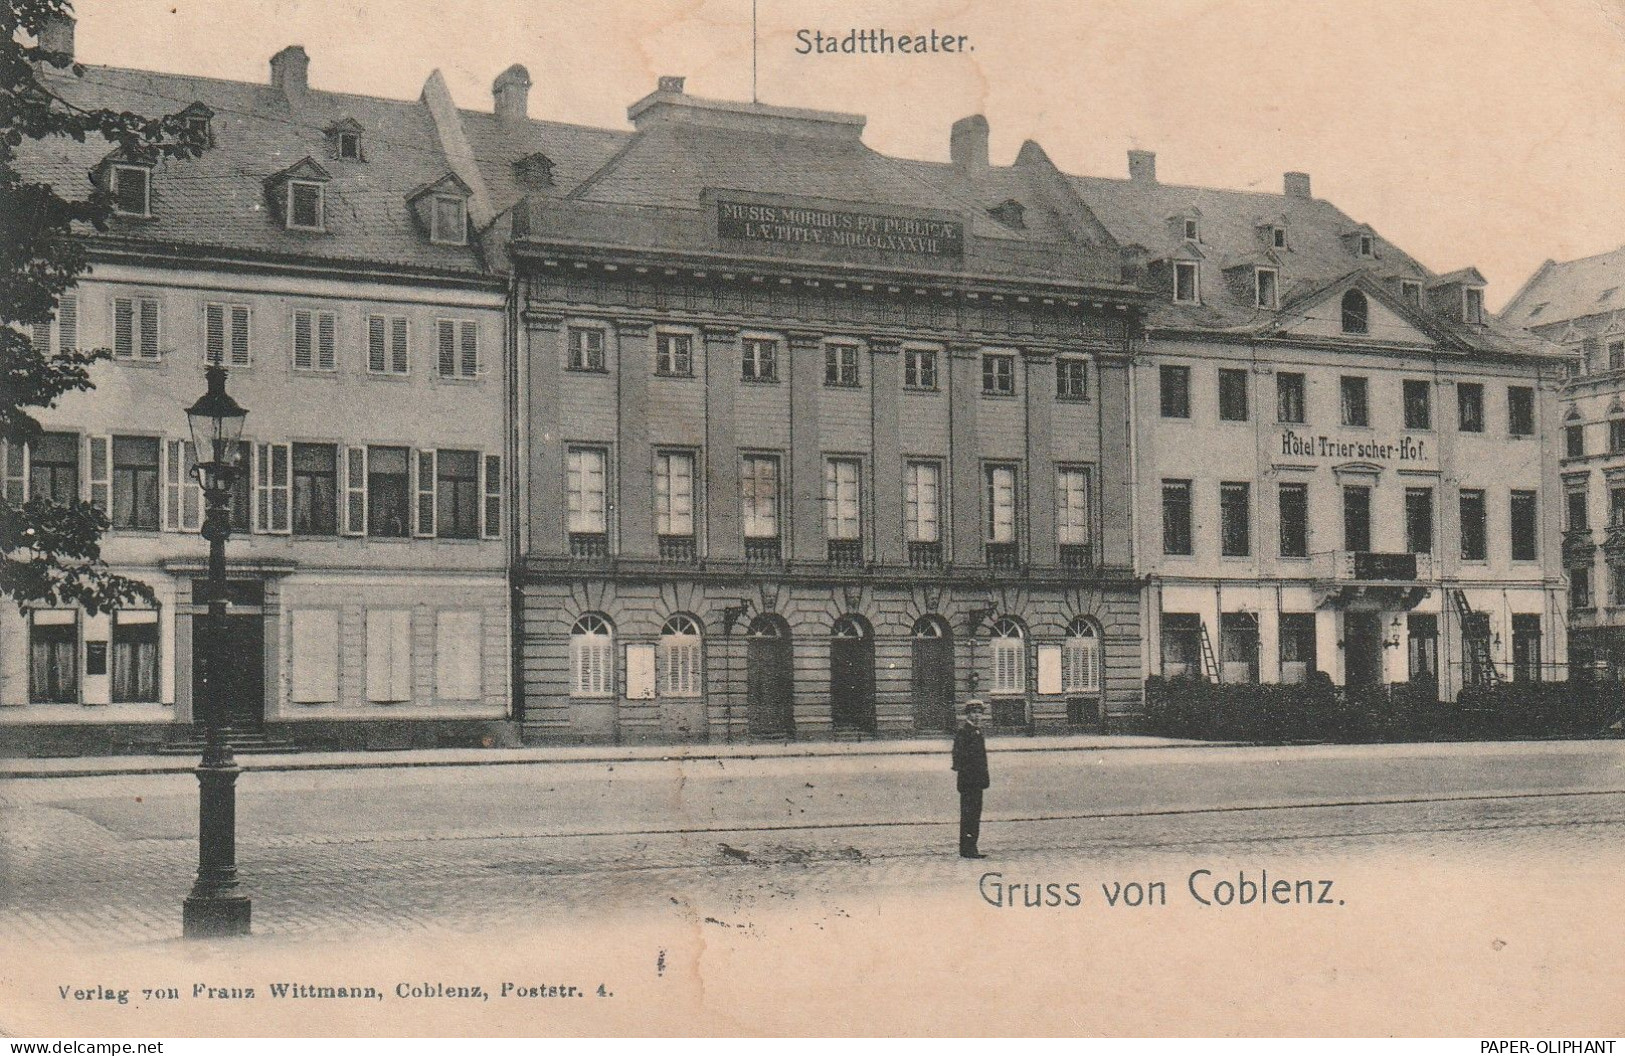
(572, 370)
(674, 376)
(998, 395)
(1071, 399)
(760, 381)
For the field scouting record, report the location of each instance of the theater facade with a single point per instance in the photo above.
(819, 442)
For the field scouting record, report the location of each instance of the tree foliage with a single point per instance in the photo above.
(50, 552)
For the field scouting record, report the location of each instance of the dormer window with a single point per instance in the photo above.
(1278, 237)
(132, 190)
(198, 118)
(1472, 304)
(1010, 213)
(1185, 287)
(307, 206)
(344, 140)
(350, 146)
(534, 171)
(1193, 230)
(450, 220)
(1368, 246)
(1410, 290)
(1267, 288)
(1356, 313)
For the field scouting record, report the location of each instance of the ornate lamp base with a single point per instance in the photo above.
(204, 917)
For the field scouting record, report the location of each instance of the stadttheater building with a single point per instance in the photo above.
(1340, 464)
(818, 441)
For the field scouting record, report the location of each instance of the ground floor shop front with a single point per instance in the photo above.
(717, 658)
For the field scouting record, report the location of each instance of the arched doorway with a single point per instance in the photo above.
(852, 674)
(769, 675)
(933, 674)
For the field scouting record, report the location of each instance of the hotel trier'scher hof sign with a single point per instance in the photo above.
(839, 229)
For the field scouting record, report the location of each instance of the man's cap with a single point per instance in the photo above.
(975, 706)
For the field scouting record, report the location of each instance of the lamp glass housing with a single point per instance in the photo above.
(217, 422)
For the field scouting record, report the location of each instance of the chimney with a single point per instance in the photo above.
(289, 68)
(510, 94)
(1296, 184)
(56, 34)
(1142, 166)
(672, 84)
(967, 143)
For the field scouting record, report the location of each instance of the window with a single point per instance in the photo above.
(1616, 355)
(306, 206)
(1080, 658)
(1071, 379)
(1419, 520)
(1473, 542)
(1356, 313)
(135, 482)
(1520, 410)
(389, 655)
(922, 502)
(457, 494)
(1525, 647)
(998, 374)
(450, 223)
(1181, 642)
(1578, 510)
(457, 655)
(1073, 524)
(53, 468)
(1524, 526)
(135, 328)
(1616, 506)
(1266, 288)
(389, 499)
(1294, 502)
(225, 334)
(681, 654)
(674, 355)
(1193, 230)
(1176, 517)
(459, 348)
(315, 340)
(53, 657)
(315, 489)
(349, 144)
(1297, 645)
(586, 348)
(1418, 404)
(587, 486)
(1356, 517)
(674, 493)
(1472, 304)
(1470, 407)
(1235, 519)
(387, 350)
(1238, 646)
(1367, 246)
(1289, 398)
(1000, 523)
(1574, 441)
(1580, 588)
(314, 644)
(132, 190)
(592, 657)
(1356, 408)
(1232, 395)
(841, 366)
(759, 492)
(1185, 289)
(1278, 237)
(135, 656)
(1410, 292)
(1008, 655)
(920, 368)
(842, 499)
(1616, 435)
(1176, 391)
(760, 359)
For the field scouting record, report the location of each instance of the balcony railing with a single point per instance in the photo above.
(847, 553)
(589, 546)
(1077, 557)
(1003, 555)
(763, 552)
(678, 548)
(1366, 566)
(925, 555)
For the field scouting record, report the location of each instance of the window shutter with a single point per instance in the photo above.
(239, 336)
(458, 649)
(15, 456)
(326, 335)
(315, 644)
(214, 334)
(123, 327)
(377, 360)
(470, 349)
(149, 328)
(491, 489)
(67, 323)
(302, 338)
(273, 478)
(389, 655)
(448, 348)
(424, 509)
(100, 477)
(355, 491)
(41, 340)
(398, 346)
(173, 460)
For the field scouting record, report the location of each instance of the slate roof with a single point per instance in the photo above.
(1587, 292)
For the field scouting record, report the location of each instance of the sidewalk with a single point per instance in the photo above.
(102, 766)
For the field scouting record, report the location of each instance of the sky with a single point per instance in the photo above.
(1483, 132)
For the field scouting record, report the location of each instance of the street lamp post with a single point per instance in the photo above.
(215, 907)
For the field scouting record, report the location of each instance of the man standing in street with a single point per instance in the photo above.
(970, 762)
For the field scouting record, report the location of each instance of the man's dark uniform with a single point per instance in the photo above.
(970, 761)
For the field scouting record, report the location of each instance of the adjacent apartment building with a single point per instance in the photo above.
(1578, 305)
(324, 250)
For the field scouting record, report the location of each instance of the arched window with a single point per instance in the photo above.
(849, 627)
(1080, 658)
(930, 627)
(592, 657)
(1009, 649)
(681, 653)
(1356, 313)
